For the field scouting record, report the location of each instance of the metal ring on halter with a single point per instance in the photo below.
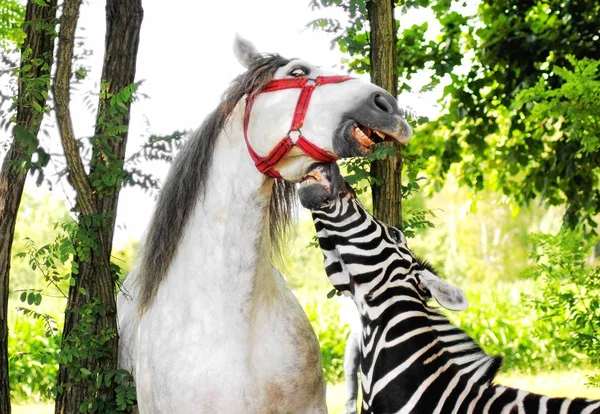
(294, 130)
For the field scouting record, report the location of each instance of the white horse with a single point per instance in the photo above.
(207, 325)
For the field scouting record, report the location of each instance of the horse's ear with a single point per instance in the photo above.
(245, 51)
(446, 294)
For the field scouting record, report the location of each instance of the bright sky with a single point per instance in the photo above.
(186, 60)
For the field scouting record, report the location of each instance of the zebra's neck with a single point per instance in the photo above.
(422, 363)
(409, 350)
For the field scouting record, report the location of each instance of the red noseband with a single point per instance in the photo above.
(265, 164)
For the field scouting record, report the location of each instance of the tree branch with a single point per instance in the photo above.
(61, 88)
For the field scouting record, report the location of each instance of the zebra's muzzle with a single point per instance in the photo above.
(322, 185)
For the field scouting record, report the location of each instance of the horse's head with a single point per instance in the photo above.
(306, 114)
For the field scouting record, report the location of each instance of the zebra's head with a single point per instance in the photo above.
(364, 257)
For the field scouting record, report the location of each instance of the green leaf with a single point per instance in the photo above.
(37, 106)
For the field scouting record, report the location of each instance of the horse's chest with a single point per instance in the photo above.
(194, 361)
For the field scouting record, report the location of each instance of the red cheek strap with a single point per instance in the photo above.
(266, 164)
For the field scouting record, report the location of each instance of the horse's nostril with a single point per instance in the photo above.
(383, 102)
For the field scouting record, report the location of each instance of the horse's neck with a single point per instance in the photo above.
(226, 244)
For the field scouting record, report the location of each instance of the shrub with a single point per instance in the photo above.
(503, 323)
(324, 315)
(33, 365)
(569, 294)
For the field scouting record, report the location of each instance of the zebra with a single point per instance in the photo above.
(413, 359)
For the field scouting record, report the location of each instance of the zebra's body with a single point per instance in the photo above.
(413, 359)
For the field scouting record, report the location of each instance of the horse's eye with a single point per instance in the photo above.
(298, 72)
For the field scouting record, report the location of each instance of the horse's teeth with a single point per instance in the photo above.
(360, 134)
(381, 134)
(362, 138)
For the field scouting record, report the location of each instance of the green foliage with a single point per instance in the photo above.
(88, 350)
(530, 145)
(569, 295)
(80, 345)
(324, 315)
(111, 390)
(45, 267)
(39, 279)
(157, 148)
(479, 236)
(84, 352)
(33, 366)
(563, 119)
(107, 171)
(12, 13)
(415, 218)
(49, 260)
(35, 222)
(33, 78)
(502, 323)
(492, 133)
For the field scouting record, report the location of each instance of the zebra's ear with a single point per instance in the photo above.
(245, 51)
(446, 294)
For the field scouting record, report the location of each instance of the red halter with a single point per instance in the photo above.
(265, 164)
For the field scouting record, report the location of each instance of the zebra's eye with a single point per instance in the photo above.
(395, 234)
(298, 72)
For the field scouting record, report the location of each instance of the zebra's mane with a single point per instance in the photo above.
(445, 330)
(459, 345)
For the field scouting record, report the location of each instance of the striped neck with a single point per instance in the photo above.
(414, 359)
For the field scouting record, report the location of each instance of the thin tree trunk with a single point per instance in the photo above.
(39, 44)
(387, 196)
(123, 20)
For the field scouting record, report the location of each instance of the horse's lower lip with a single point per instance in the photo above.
(366, 137)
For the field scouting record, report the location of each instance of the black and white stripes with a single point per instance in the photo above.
(413, 360)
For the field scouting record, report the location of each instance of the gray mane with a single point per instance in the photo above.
(186, 180)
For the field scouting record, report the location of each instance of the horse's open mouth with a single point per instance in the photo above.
(367, 137)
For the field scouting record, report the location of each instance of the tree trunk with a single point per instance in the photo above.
(39, 44)
(123, 19)
(387, 173)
